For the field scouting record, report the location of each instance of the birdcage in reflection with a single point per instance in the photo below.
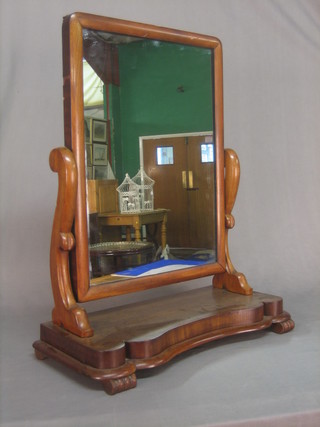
(128, 196)
(145, 188)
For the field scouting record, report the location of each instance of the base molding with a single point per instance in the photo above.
(148, 334)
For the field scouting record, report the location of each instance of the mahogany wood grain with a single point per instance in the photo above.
(66, 312)
(231, 279)
(153, 332)
(113, 380)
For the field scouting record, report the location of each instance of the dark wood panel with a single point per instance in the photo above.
(150, 333)
(145, 329)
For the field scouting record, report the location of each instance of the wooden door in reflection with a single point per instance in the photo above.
(184, 183)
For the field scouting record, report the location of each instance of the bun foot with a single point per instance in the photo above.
(120, 384)
(283, 326)
(39, 355)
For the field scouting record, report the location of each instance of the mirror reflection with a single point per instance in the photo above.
(150, 156)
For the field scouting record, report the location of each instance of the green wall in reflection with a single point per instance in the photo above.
(164, 88)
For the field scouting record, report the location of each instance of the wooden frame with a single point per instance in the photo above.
(110, 345)
(73, 107)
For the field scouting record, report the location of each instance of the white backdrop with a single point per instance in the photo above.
(271, 107)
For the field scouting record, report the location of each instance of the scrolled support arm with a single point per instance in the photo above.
(231, 280)
(66, 311)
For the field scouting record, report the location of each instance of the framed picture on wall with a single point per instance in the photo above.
(100, 172)
(99, 131)
(99, 155)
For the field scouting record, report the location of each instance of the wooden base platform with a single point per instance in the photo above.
(148, 334)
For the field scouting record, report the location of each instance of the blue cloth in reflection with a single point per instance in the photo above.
(162, 266)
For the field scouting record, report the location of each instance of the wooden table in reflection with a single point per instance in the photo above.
(137, 220)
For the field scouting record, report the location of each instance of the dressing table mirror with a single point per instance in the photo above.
(145, 199)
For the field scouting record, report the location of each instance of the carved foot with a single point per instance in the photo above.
(283, 326)
(120, 384)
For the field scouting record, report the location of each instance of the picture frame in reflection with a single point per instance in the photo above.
(99, 131)
(99, 155)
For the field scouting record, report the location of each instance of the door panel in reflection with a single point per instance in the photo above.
(185, 187)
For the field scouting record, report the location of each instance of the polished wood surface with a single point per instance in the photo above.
(65, 312)
(153, 332)
(231, 279)
(137, 220)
